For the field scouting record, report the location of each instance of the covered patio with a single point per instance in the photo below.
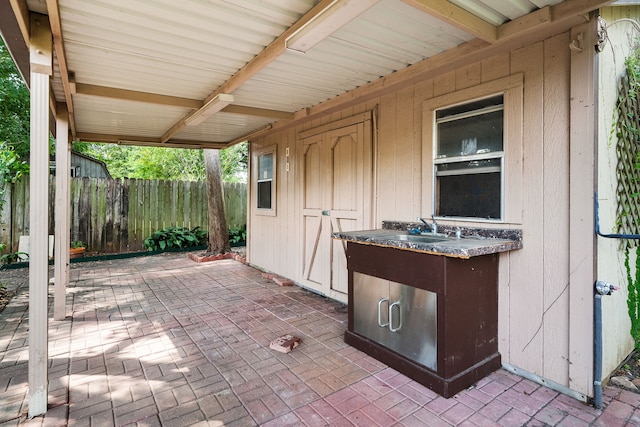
(162, 340)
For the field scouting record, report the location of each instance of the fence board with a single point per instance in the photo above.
(20, 211)
(5, 214)
(123, 214)
(117, 215)
(186, 204)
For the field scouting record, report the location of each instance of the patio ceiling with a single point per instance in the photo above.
(140, 71)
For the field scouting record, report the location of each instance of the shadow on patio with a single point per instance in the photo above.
(163, 340)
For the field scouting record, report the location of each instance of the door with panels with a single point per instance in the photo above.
(336, 181)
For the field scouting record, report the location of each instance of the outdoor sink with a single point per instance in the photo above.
(457, 244)
(418, 238)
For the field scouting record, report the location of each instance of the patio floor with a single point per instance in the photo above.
(163, 340)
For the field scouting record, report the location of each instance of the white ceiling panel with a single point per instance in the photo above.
(146, 49)
(114, 117)
(224, 126)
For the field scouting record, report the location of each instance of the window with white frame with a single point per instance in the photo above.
(265, 181)
(469, 160)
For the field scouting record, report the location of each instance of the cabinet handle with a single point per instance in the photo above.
(380, 301)
(391, 328)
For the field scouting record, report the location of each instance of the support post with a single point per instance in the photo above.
(41, 69)
(62, 219)
(582, 178)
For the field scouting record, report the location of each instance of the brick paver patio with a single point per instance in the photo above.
(163, 340)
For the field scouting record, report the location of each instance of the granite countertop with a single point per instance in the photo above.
(473, 241)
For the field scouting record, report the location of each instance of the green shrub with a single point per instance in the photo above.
(11, 257)
(238, 234)
(633, 298)
(175, 238)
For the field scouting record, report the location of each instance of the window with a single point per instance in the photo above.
(265, 170)
(469, 160)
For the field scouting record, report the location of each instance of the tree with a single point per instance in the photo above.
(14, 106)
(165, 163)
(14, 123)
(235, 162)
(218, 231)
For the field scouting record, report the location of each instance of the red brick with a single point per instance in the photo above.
(281, 281)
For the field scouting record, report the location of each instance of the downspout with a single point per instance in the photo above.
(601, 288)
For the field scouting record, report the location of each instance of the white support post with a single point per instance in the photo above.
(63, 154)
(582, 243)
(41, 69)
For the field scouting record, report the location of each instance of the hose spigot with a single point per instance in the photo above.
(605, 288)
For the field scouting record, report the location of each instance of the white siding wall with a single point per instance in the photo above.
(617, 339)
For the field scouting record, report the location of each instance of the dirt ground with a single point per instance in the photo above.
(629, 371)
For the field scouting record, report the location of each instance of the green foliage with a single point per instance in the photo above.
(234, 163)
(182, 237)
(11, 168)
(165, 163)
(238, 234)
(175, 238)
(627, 132)
(14, 106)
(77, 244)
(633, 298)
(11, 257)
(14, 122)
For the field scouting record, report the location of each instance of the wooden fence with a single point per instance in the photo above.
(116, 215)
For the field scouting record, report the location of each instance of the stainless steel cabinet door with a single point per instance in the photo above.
(371, 307)
(413, 323)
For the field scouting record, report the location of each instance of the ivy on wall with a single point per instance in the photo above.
(627, 129)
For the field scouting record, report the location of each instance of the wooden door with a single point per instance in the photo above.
(336, 196)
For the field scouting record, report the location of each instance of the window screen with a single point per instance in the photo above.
(469, 158)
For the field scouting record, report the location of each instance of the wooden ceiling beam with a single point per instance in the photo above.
(483, 30)
(21, 12)
(172, 101)
(58, 43)
(147, 142)
(458, 17)
(536, 20)
(261, 60)
(14, 21)
(137, 96)
(571, 8)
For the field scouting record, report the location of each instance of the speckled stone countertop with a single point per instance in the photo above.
(473, 241)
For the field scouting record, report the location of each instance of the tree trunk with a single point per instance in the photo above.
(218, 231)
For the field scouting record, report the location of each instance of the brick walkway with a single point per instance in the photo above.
(165, 341)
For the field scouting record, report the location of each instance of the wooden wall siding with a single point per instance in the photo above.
(526, 299)
(88, 167)
(113, 215)
(556, 210)
(533, 298)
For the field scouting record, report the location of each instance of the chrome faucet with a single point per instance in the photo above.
(433, 227)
